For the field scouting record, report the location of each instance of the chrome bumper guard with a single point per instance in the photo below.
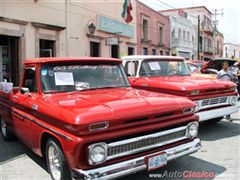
(135, 165)
(215, 113)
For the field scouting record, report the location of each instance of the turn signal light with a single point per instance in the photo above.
(98, 126)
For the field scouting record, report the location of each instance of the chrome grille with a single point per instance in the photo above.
(146, 142)
(213, 101)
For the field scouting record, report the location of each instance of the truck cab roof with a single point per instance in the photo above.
(70, 59)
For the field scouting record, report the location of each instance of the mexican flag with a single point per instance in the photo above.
(127, 8)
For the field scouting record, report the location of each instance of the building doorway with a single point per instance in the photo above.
(115, 51)
(47, 48)
(9, 59)
(94, 49)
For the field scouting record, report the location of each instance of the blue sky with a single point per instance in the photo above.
(229, 23)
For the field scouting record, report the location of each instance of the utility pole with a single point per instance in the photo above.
(198, 39)
(216, 12)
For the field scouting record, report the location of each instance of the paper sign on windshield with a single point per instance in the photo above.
(154, 66)
(63, 78)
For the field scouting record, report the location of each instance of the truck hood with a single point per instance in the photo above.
(187, 83)
(113, 105)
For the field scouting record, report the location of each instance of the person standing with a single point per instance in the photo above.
(226, 75)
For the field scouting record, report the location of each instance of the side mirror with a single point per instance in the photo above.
(24, 90)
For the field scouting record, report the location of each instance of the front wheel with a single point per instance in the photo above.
(215, 120)
(6, 133)
(56, 162)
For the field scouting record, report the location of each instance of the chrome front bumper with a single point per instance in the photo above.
(215, 113)
(135, 165)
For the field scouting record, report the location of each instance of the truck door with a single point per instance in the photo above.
(24, 99)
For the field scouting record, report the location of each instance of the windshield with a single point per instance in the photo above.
(163, 68)
(79, 77)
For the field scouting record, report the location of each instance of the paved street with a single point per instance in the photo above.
(220, 154)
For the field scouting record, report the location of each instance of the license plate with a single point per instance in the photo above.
(156, 161)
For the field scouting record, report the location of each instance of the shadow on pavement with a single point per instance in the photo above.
(186, 164)
(221, 130)
(12, 150)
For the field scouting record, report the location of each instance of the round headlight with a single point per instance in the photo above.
(233, 100)
(197, 106)
(97, 153)
(193, 130)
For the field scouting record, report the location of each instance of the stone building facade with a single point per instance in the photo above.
(183, 34)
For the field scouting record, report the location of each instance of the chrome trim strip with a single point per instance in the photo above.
(215, 113)
(214, 105)
(17, 114)
(159, 134)
(134, 165)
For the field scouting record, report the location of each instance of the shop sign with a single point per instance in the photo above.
(116, 27)
(112, 41)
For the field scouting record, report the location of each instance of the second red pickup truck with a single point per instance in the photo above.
(169, 74)
(83, 116)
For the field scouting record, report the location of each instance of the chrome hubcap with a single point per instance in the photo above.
(54, 162)
(3, 125)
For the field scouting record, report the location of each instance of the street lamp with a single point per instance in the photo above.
(91, 28)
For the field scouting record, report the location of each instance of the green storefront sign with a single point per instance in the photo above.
(113, 26)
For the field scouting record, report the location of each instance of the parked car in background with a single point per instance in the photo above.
(196, 71)
(169, 74)
(83, 116)
(198, 63)
(215, 65)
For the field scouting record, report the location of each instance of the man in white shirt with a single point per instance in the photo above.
(225, 74)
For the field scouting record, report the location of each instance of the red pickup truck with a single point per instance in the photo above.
(169, 74)
(83, 116)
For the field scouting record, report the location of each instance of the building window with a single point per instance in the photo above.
(161, 35)
(226, 53)
(145, 51)
(184, 34)
(161, 52)
(218, 47)
(145, 29)
(234, 53)
(173, 33)
(188, 36)
(179, 33)
(154, 52)
(130, 51)
(47, 48)
(94, 49)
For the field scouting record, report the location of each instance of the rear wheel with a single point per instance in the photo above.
(56, 162)
(6, 133)
(215, 120)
